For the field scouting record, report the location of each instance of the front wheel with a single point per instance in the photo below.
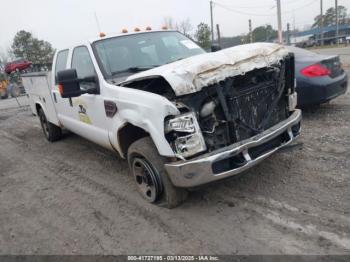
(51, 131)
(152, 181)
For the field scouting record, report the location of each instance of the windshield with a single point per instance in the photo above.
(133, 53)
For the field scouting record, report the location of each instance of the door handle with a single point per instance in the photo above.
(54, 97)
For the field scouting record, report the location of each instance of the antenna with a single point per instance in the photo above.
(97, 23)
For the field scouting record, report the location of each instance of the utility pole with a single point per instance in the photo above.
(250, 31)
(336, 22)
(279, 22)
(294, 36)
(288, 34)
(211, 22)
(321, 22)
(219, 35)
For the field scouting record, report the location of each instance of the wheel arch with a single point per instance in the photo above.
(127, 135)
(39, 106)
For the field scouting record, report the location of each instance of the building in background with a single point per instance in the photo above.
(312, 37)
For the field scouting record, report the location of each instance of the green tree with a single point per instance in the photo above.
(202, 35)
(264, 33)
(330, 16)
(26, 46)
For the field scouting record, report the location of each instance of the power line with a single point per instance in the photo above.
(240, 12)
(243, 7)
(261, 6)
(300, 7)
(260, 14)
(293, 2)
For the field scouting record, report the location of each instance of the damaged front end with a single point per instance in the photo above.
(233, 112)
(234, 109)
(233, 124)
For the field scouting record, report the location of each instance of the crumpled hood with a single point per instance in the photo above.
(190, 75)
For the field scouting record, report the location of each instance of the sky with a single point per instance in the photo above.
(65, 22)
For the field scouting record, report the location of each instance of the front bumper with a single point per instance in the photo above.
(236, 158)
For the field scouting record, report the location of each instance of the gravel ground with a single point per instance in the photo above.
(73, 197)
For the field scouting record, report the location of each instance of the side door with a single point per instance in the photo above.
(62, 105)
(88, 110)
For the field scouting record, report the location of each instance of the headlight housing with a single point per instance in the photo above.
(187, 139)
(182, 123)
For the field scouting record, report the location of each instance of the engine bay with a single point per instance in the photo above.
(241, 106)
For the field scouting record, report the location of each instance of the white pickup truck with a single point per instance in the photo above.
(180, 116)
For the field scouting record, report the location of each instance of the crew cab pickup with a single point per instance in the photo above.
(180, 116)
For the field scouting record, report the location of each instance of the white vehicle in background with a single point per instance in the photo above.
(347, 39)
(180, 116)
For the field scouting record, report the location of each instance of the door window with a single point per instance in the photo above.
(61, 62)
(82, 62)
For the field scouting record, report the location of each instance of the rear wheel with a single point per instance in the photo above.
(152, 181)
(51, 131)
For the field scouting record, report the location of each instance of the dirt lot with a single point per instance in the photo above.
(73, 197)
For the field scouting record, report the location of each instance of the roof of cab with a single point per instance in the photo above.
(129, 33)
(92, 40)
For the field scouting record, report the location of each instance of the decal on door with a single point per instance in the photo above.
(83, 116)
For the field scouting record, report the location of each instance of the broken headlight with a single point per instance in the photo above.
(186, 136)
(182, 123)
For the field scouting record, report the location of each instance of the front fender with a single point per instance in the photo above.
(144, 110)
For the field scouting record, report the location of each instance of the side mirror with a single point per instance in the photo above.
(215, 48)
(69, 83)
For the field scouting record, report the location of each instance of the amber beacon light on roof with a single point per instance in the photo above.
(136, 29)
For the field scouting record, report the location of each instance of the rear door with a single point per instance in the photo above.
(62, 104)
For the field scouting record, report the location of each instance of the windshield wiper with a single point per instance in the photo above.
(134, 69)
(178, 59)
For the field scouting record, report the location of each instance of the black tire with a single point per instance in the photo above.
(143, 154)
(51, 131)
(4, 94)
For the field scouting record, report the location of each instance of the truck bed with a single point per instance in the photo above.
(38, 88)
